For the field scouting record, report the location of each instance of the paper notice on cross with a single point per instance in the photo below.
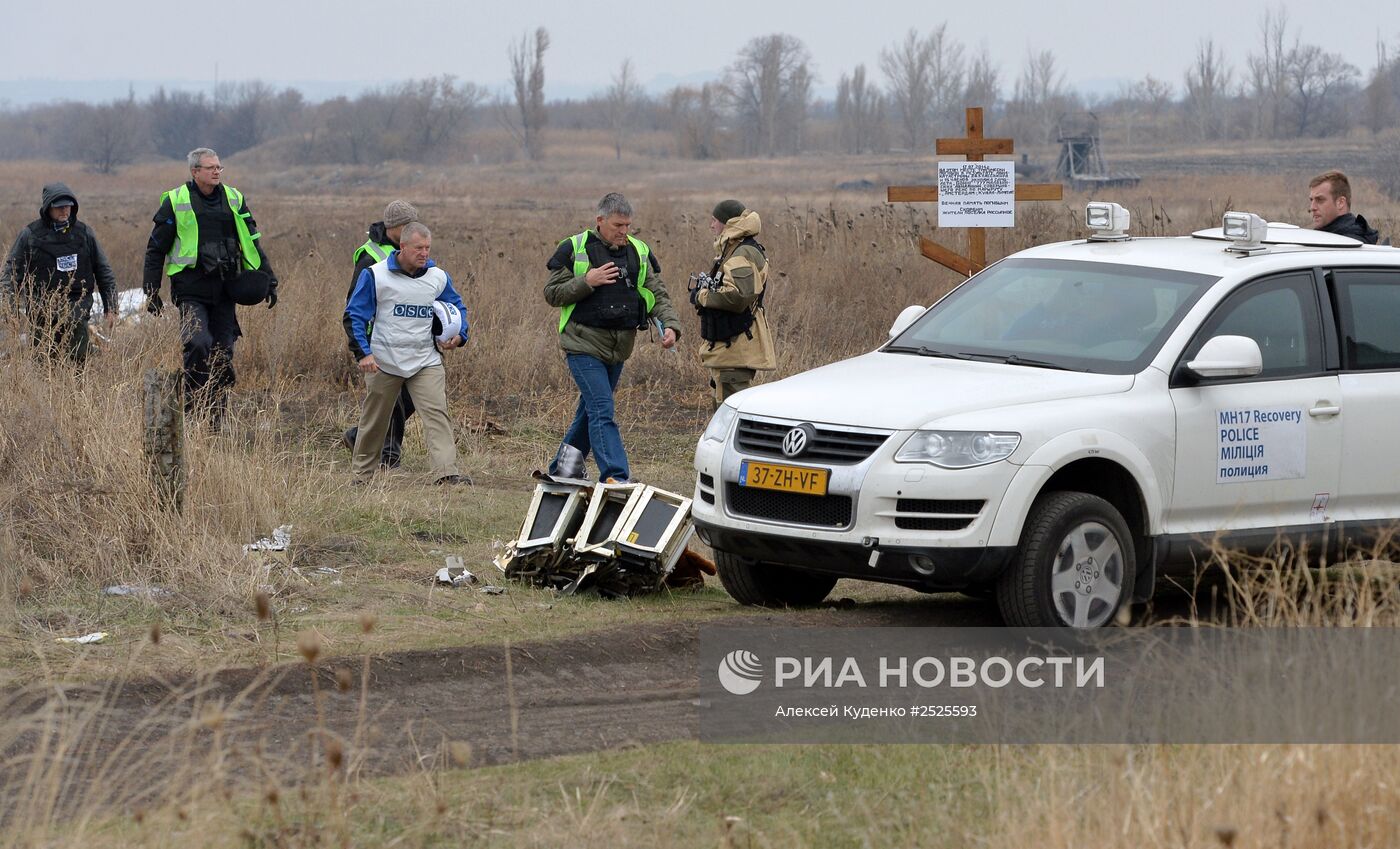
(977, 194)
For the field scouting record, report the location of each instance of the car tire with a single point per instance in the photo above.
(770, 584)
(1074, 567)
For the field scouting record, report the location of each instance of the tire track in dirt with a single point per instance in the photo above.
(628, 686)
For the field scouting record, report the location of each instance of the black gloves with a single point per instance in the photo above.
(272, 294)
(153, 303)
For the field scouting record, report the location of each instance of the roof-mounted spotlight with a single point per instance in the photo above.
(1109, 221)
(1247, 231)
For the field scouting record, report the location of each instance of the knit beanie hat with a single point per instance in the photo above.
(727, 209)
(399, 212)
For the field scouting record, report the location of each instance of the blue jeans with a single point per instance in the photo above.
(594, 427)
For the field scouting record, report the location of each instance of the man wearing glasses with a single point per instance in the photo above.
(205, 239)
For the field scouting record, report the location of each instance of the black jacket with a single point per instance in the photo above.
(1354, 226)
(195, 282)
(32, 258)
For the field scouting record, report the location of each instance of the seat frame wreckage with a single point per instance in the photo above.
(619, 539)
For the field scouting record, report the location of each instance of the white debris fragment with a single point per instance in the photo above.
(454, 574)
(447, 576)
(130, 304)
(490, 589)
(280, 539)
(136, 590)
(86, 639)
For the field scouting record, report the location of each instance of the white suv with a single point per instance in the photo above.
(1073, 421)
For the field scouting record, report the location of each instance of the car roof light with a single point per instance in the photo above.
(1109, 221)
(1245, 230)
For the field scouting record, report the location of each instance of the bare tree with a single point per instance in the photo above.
(695, 120)
(434, 111)
(1207, 86)
(770, 88)
(983, 83)
(860, 112)
(1268, 72)
(179, 121)
(527, 77)
(925, 79)
(1040, 96)
(1381, 91)
(107, 135)
(1314, 78)
(622, 99)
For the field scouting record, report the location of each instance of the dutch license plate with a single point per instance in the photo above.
(783, 478)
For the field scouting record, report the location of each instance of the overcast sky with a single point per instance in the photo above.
(1097, 44)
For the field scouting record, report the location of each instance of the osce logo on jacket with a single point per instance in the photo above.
(412, 311)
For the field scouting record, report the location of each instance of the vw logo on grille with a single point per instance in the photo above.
(796, 440)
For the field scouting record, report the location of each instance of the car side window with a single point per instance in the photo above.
(1281, 315)
(1369, 303)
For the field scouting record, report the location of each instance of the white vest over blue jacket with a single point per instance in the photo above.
(402, 309)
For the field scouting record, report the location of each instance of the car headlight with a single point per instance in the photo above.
(720, 423)
(957, 449)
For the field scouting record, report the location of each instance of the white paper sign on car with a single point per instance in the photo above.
(976, 194)
(1260, 444)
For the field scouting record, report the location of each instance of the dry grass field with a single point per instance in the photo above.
(93, 754)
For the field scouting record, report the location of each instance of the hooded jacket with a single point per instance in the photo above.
(69, 261)
(743, 277)
(1354, 226)
(564, 287)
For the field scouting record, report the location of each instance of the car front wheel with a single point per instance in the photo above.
(1074, 567)
(768, 584)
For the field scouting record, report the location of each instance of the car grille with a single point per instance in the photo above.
(823, 511)
(839, 447)
(963, 512)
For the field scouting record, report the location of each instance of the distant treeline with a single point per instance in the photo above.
(763, 105)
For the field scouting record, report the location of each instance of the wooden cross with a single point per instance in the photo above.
(974, 147)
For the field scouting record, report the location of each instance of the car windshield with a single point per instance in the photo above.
(1061, 314)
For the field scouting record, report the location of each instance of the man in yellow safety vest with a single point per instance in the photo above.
(205, 239)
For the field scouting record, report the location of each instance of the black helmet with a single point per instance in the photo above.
(248, 288)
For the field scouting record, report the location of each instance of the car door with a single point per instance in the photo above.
(1368, 308)
(1259, 452)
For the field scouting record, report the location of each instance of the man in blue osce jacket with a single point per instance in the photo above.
(397, 295)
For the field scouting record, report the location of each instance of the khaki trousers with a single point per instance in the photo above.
(428, 389)
(727, 381)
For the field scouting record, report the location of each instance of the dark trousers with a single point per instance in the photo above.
(208, 331)
(393, 440)
(61, 337)
(57, 324)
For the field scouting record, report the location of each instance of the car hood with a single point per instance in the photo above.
(905, 392)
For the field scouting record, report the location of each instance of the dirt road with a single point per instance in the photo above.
(399, 712)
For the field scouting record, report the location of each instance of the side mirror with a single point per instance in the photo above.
(905, 318)
(1227, 356)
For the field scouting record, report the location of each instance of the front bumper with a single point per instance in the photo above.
(942, 569)
(904, 523)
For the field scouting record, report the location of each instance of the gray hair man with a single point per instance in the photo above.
(205, 239)
(398, 294)
(383, 240)
(607, 286)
